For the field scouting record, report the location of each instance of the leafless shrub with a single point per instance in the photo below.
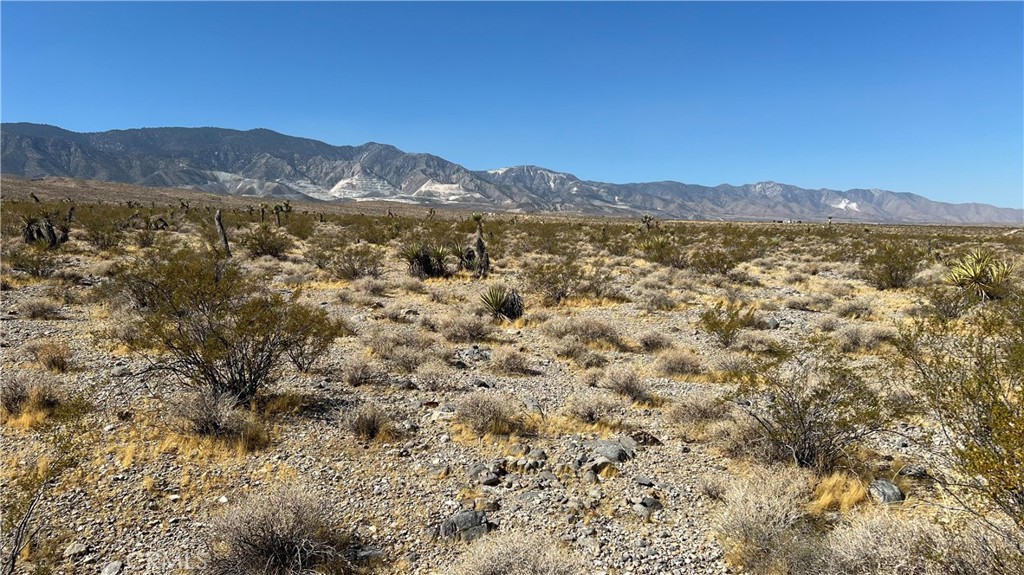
(469, 328)
(54, 356)
(864, 337)
(359, 372)
(755, 342)
(678, 362)
(579, 353)
(698, 409)
(370, 422)
(712, 489)
(763, 515)
(39, 308)
(587, 330)
(829, 324)
(660, 302)
(371, 286)
(512, 361)
(625, 381)
(433, 375)
(206, 413)
(517, 553)
(654, 341)
(489, 413)
(853, 309)
(590, 407)
(283, 532)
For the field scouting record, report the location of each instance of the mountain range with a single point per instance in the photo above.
(266, 163)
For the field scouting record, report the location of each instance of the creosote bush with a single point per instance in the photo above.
(357, 261)
(212, 325)
(812, 413)
(891, 265)
(264, 240)
(724, 321)
(285, 531)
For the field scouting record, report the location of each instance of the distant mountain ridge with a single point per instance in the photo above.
(262, 162)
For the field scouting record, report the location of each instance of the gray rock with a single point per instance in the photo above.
(112, 568)
(884, 491)
(645, 481)
(466, 526)
(76, 549)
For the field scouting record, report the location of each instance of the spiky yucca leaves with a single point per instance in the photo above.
(503, 303)
(980, 273)
(427, 261)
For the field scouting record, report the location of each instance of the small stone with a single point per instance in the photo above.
(76, 549)
(222, 499)
(112, 568)
(645, 481)
(884, 491)
(174, 497)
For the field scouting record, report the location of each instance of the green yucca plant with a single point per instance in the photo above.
(427, 261)
(503, 303)
(982, 274)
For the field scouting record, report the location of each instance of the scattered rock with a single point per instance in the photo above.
(465, 526)
(112, 568)
(76, 549)
(884, 491)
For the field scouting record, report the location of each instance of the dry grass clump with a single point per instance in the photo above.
(517, 553)
(27, 404)
(216, 415)
(755, 342)
(853, 309)
(488, 413)
(512, 361)
(763, 516)
(864, 337)
(840, 491)
(590, 407)
(586, 330)
(54, 356)
(679, 362)
(371, 286)
(660, 302)
(39, 308)
(369, 422)
(405, 349)
(698, 409)
(626, 382)
(433, 375)
(465, 329)
(654, 341)
(580, 354)
(829, 324)
(285, 531)
(357, 372)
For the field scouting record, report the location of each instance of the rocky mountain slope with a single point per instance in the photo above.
(265, 163)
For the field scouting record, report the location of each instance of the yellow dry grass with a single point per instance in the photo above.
(838, 492)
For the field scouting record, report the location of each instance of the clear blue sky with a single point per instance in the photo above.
(918, 97)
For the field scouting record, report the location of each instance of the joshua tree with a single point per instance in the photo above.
(483, 260)
(647, 221)
(223, 234)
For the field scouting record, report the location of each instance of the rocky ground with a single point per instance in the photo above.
(633, 494)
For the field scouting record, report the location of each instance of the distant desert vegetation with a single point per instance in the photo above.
(203, 384)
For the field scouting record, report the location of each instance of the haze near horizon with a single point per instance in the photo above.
(918, 97)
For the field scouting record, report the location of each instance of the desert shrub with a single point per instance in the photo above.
(590, 407)
(39, 308)
(488, 413)
(357, 261)
(144, 238)
(369, 422)
(512, 361)
(678, 362)
(314, 331)
(102, 230)
(428, 261)
(587, 330)
(660, 302)
(863, 337)
(54, 356)
(358, 372)
(812, 413)
(763, 518)
(626, 382)
(755, 342)
(432, 375)
(264, 240)
(654, 341)
(371, 286)
(724, 321)
(13, 395)
(503, 303)
(17, 397)
(829, 324)
(879, 542)
(516, 553)
(282, 532)
(404, 349)
(36, 259)
(892, 265)
(209, 414)
(206, 322)
(982, 275)
(299, 225)
(853, 309)
(553, 279)
(465, 328)
(947, 303)
(698, 409)
(973, 385)
(579, 353)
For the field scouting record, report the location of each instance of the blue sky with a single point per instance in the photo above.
(918, 97)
